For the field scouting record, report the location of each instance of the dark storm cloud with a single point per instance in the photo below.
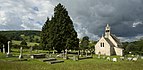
(89, 16)
(93, 15)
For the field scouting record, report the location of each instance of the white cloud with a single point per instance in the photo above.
(136, 23)
(24, 14)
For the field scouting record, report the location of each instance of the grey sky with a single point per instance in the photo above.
(89, 16)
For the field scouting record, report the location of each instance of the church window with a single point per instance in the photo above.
(100, 44)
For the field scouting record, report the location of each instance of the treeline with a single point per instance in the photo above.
(28, 35)
(135, 47)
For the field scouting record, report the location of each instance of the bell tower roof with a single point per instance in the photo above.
(107, 25)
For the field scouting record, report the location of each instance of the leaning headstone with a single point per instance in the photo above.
(20, 56)
(3, 49)
(114, 59)
(8, 53)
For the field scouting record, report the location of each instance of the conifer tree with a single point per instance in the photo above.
(60, 32)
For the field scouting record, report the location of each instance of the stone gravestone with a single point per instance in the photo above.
(78, 54)
(99, 55)
(3, 49)
(122, 58)
(74, 58)
(108, 58)
(86, 52)
(141, 57)
(53, 50)
(31, 48)
(135, 59)
(8, 53)
(20, 56)
(114, 59)
(66, 53)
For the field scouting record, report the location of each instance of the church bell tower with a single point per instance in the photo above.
(107, 31)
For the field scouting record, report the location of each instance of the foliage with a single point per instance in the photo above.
(85, 43)
(28, 35)
(43, 35)
(23, 44)
(59, 31)
(135, 47)
(3, 41)
(16, 44)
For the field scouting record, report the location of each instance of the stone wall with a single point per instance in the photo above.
(103, 50)
(118, 51)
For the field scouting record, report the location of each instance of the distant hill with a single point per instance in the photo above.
(28, 35)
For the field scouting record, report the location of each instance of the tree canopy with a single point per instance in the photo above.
(59, 32)
(84, 43)
(23, 43)
(3, 41)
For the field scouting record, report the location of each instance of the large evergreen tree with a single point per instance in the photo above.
(59, 31)
(43, 35)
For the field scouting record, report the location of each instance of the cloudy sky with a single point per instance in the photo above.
(89, 16)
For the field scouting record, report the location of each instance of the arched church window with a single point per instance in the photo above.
(103, 44)
(100, 44)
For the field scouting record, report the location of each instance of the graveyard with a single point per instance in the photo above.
(41, 62)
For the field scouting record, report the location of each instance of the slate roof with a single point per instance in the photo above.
(110, 43)
(115, 38)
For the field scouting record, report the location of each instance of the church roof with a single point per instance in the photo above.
(116, 39)
(110, 43)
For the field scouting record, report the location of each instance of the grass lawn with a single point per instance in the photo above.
(28, 43)
(86, 64)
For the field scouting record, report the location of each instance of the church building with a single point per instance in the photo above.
(109, 44)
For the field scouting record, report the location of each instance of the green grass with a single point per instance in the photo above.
(28, 43)
(86, 64)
